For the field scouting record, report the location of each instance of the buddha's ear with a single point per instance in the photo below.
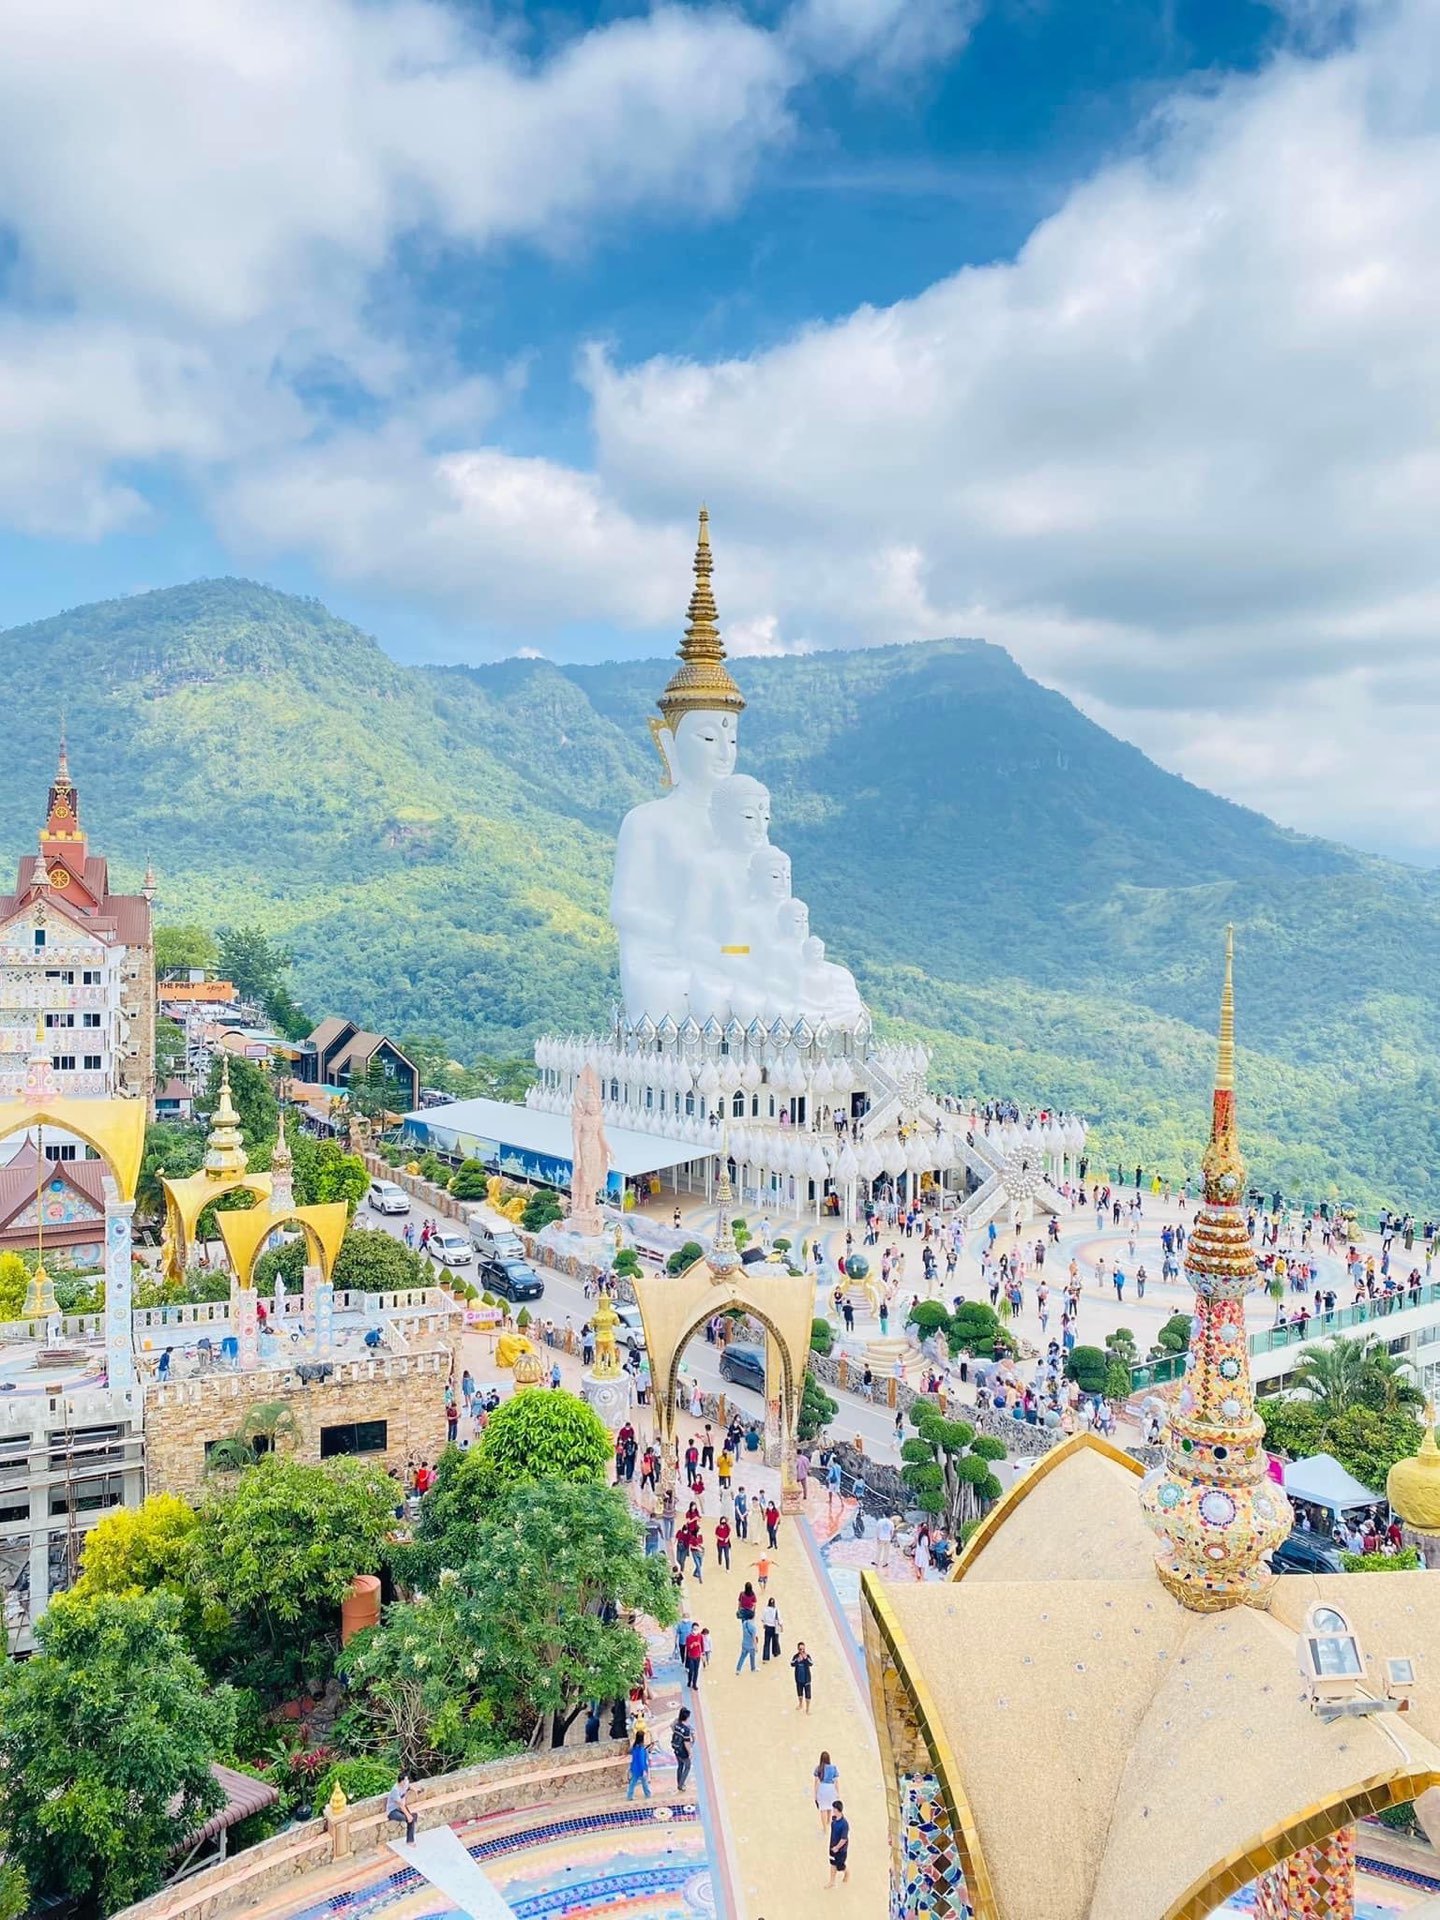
(664, 740)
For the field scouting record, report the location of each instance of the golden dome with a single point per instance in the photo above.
(529, 1369)
(1413, 1485)
(701, 683)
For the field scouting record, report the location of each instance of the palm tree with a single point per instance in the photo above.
(259, 1432)
(1356, 1372)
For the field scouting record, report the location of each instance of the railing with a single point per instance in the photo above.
(1154, 1373)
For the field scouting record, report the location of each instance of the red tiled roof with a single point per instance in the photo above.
(17, 1183)
(174, 1090)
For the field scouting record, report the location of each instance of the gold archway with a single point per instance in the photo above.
(115, 1128)
(245, 1234)
(187, 1199)
(673, 1309)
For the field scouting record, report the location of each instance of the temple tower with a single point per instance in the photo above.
(1216, 1513)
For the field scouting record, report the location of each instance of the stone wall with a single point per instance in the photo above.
(263, 1872)
(404, 1390)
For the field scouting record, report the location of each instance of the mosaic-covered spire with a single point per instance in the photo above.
(1215, 1511)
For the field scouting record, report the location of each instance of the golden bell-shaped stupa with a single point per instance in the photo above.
(1412, 1486)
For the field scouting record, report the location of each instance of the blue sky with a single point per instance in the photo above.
(1104, 331)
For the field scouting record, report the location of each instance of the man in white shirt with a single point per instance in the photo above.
(884, 1535)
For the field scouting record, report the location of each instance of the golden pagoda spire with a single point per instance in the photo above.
(62, 768)
(1215, 1511)
(225, 1144)
(40, 876)
(702, 682)
(1225, 1063)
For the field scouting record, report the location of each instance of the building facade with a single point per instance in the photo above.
(77, 966)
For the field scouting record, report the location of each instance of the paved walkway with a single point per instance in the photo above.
(762, 1753)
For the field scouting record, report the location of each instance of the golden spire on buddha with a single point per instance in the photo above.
(702, 682)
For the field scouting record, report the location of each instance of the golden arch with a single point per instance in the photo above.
(187, 1199)
(245, 1234)
(672, 1309)
(115, 1128)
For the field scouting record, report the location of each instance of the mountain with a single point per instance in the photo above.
(1036, 899)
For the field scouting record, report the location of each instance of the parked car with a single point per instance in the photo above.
(385, 1197)
(744, 1366)
(450, 1249)
(631, 1330)
(1305, 1553)
(511, 1279)
(494, 1243)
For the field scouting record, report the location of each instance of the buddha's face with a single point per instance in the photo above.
(704, 748)
(740, 810)
(794, 920)
(770, 875)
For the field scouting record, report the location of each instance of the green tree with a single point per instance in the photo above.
(556, 1566)
(947, 1466)
(1174, 1336)
(541, 1208)
(14, 1285)
(822, 1336)
(1365, 1442)
(172, 1149)
(1357, 1371)
(253, 1095)
(541, 1436)
(817, 1410)
(140, 1549)
(107, 1736)
(377, 1091)
(181, 949)
(279, 1549)
(684, 1257)
(371, 1262)
(324, 1172)
(252, 961)
(264, 1428)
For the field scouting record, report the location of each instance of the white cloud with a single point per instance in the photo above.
(895, 36)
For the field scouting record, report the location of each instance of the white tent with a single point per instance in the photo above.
(1324, 1483)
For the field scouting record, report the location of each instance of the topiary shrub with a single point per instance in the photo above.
(540, 1209)
(974, 1328)
(782, 1245)
(470, 1181)
(927, 1317)
(1174, 1336)
(683, 1257)
(627, 1262)
(817, 1410)
(1087, 1367)
(822, 1336)
(522, 1319)
(741, 1233)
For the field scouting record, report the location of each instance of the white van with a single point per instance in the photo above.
(385, 1197)
(494, 1243)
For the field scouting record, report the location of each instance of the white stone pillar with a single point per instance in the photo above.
(245, 1325)
(119, 1289)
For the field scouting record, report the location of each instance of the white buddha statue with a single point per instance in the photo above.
(667, 846)
(697, 884)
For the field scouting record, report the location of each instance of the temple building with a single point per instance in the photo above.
(77, 963)
(732, 1019)
(1113, 1662)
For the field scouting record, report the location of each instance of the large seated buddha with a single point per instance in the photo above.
(701, 900)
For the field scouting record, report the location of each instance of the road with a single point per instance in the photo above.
(565, 1302)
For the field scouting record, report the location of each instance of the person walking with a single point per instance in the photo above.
(772, 1522)
(399, 1809)
(694, 1655)
(826, 1779)
(722, 1543)
(640, 1774)
(839, 1844)
(742, 1515)
(804, 1670)
(884, 1534)
(833, 1483)
(682, 1745)
(747, 1640)
(802, 1475)
(770, 1621)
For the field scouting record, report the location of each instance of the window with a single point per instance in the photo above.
(13, 1509)
(737, 1106)
(65, 975)
(59, 1019)
(354, 1436)
(63, 1062)
(39, 938)
(93, 1062)
(91, 977)
(90, 1019)
(57, 1151)
(91, 1496)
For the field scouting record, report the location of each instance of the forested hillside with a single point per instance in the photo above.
(1036, 898)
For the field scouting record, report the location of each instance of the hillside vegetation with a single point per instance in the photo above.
(1036, 899)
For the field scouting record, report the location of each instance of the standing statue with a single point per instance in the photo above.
(607, 1353)
(589, 1155)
